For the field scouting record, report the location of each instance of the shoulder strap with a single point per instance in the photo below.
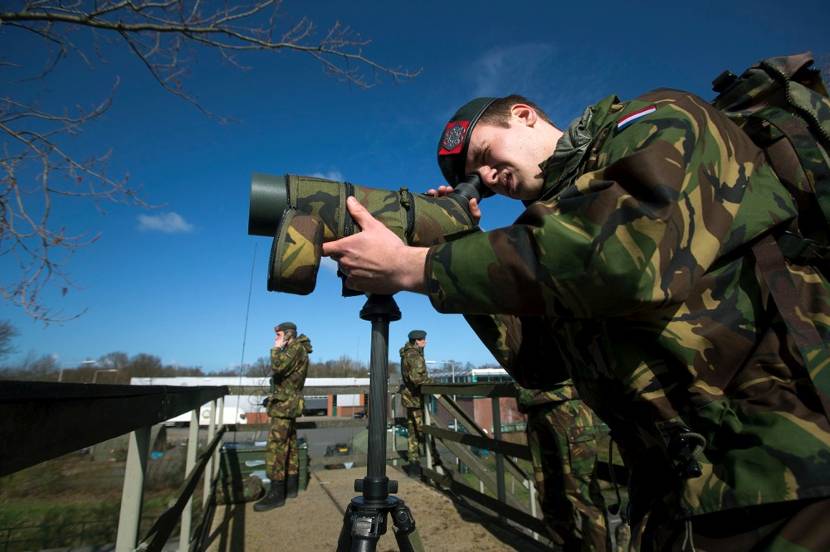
(814, 352)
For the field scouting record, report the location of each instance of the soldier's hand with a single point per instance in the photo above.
(475, 210)
(375, 260)
(266, 401)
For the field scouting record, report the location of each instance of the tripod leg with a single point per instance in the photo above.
(344, 542)
(404, 527)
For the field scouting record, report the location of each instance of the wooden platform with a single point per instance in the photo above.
(313, 520)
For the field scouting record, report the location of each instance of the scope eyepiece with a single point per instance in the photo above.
(472, 187)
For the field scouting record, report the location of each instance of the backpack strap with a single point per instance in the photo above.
(814, 352)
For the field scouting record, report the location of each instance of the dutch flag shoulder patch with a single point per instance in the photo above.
(631, 117)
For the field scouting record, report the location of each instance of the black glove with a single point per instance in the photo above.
(266, 401)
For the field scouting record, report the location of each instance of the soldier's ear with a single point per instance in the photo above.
(523, 114)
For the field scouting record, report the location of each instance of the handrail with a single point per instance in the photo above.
(308, 390)
(506, 447)
(65, 417)
(489, 390)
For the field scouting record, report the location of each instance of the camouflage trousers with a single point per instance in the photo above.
(281, 456)
(563, 445)
(414, 423)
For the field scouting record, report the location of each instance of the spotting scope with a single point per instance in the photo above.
(303, 212)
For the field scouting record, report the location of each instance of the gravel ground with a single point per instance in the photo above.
(313, 520)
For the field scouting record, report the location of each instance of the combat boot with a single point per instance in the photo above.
(275, 497)
(292, 485)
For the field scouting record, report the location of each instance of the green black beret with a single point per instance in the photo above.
(417, 334)
(286, 326)
(452, 147)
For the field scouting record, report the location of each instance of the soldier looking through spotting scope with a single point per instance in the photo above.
(634, 270)
(289, 366)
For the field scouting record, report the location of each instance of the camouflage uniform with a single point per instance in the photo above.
(289, 365)
(633, 273)
(563, 441)
(414, 373)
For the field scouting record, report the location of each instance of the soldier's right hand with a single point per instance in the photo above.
(441, 191)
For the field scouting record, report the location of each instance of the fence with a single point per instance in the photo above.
(58, 418)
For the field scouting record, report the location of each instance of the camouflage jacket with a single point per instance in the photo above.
(414, 374)
(289, 366)
(529, 398)
(632, 272)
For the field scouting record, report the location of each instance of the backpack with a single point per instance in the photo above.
(783, 105)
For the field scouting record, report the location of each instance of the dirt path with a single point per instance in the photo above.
(313, 520)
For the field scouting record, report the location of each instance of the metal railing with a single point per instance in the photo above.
(58, 418)
(506, 507)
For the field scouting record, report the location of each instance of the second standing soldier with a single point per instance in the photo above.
(289, 366)
(414, 374)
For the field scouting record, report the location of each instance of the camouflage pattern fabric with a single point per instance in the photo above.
(632, 274)
(414, 374)
(417, 219)
(281, 454)
(289, 366)
(563, 441)
(414, 423)
(295, 254)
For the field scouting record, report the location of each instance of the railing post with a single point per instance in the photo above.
(502, 496)
(132, 492)
(190, 463)
(208, 477)
(532, 488)
(220, 406)
(428, 442)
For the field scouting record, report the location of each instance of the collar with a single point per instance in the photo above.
(559, 169)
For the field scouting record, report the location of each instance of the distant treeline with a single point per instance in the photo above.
(120, 368)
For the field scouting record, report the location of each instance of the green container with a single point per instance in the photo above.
(239, 460)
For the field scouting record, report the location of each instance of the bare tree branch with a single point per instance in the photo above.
(37, 165)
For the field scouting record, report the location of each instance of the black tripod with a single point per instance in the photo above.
(365, 518)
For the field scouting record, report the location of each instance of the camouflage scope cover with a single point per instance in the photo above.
(317, 213)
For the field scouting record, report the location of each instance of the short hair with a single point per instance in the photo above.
(498, 113)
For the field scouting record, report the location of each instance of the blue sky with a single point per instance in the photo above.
(174, 280)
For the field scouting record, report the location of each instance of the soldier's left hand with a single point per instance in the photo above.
(375, 260)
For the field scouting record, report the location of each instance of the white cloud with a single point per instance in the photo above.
(519, 69)
(331, 175)
(169, 223)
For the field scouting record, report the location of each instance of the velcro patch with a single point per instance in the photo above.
(453, 138)
(631, 117)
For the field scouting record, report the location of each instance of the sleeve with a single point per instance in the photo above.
(282, 360)
(418, 374)
(633, 234)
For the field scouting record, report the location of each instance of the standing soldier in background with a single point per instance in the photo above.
(563, 437)
(289, 365)
(414, 374)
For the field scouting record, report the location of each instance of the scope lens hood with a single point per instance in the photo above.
(268, 202)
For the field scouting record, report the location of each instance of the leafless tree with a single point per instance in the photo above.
(38, 169)
(7, 333)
